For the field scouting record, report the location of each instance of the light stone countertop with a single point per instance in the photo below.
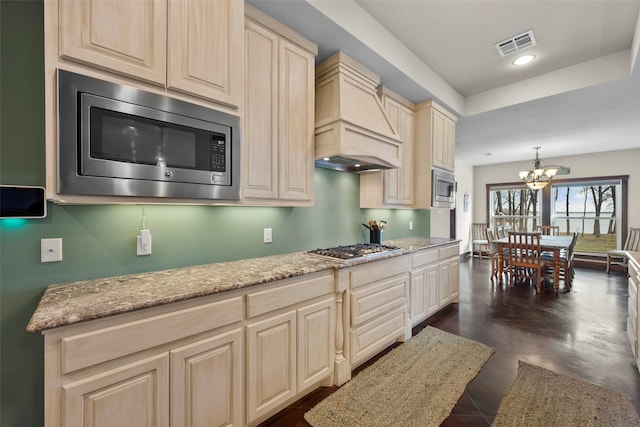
(70, 303)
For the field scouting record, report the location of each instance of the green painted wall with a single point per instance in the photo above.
(99, 241)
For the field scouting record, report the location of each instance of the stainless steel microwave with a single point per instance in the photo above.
(116, 140)
(443, 189)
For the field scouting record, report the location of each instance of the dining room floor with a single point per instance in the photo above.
(581, 333)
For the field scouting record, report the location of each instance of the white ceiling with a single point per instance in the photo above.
(580, 95)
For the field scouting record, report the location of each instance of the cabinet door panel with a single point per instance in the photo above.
(438, 139)
(405, 130)
(133, 395)
(316, 333)
(418, 297)
(393, 177)
(443, 283)
(206, 379)
(454, 280)
(128, 37)
(271, 360)
(433, 301)
(260, 131)
(205, 45)
(449, 145)
(296, 122)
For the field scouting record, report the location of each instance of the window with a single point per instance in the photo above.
(590, 207)
(515, 208)
(595, 206)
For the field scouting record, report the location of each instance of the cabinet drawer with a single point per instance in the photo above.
(375, 335)
(424, 258)
(299, 290)
(90, 348)
(378, 298)
(375, 271)
(449, 251)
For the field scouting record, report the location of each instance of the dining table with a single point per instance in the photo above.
(553, 244)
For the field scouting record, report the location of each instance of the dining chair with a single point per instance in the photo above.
(619, 256)
(525, 262)
(494, 255)
(565, 259)
(479, 238)
(549, 230)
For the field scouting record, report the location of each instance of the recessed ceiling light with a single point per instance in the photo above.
(524, 59)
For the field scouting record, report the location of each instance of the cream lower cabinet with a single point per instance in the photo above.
(133, 395)
(435, 281)
(378, 313)
(448, 274)
(290, 342)
(424, 285)
(278, 126)
(206, 381)
(150, 368)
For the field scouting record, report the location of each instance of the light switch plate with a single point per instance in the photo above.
(50, 250)
(268, 235)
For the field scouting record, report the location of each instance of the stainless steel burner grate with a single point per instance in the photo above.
(356, 251)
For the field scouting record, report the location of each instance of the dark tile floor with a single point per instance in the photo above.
(581, 333)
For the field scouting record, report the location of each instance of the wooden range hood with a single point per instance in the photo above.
(353, 133)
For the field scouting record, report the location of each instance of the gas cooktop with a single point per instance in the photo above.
(358, 251)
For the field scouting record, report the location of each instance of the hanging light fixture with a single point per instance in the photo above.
(538, 177)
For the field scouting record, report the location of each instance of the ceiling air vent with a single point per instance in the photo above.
(516, 43)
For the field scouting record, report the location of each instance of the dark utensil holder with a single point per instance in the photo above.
(375, 236)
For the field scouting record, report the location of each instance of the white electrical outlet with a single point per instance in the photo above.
(143, 243)
(268, 235)
(50, 250)
(410, 225)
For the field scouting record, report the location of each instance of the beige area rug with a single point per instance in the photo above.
(540, 397)
(416, 384)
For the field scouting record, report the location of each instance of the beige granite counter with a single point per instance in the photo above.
(75, 302)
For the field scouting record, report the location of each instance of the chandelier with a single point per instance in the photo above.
(538, 177)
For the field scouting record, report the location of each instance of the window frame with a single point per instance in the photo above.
(546, 198)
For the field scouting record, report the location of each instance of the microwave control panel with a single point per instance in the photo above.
(217, 155)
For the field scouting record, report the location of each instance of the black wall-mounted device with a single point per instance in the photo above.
(22, 202)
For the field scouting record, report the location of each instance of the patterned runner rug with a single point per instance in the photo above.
(416, 384)
(539, 397)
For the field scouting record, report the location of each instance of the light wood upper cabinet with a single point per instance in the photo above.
(428, 134)
(204, 49)
(438, 131)
(443, 140)
(434, 147)
(393, 187)
(189, 46)
(260, 153)
(278, 125)
(129, 38)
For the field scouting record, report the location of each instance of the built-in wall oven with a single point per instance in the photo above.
(117, 140)
(443, 189)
